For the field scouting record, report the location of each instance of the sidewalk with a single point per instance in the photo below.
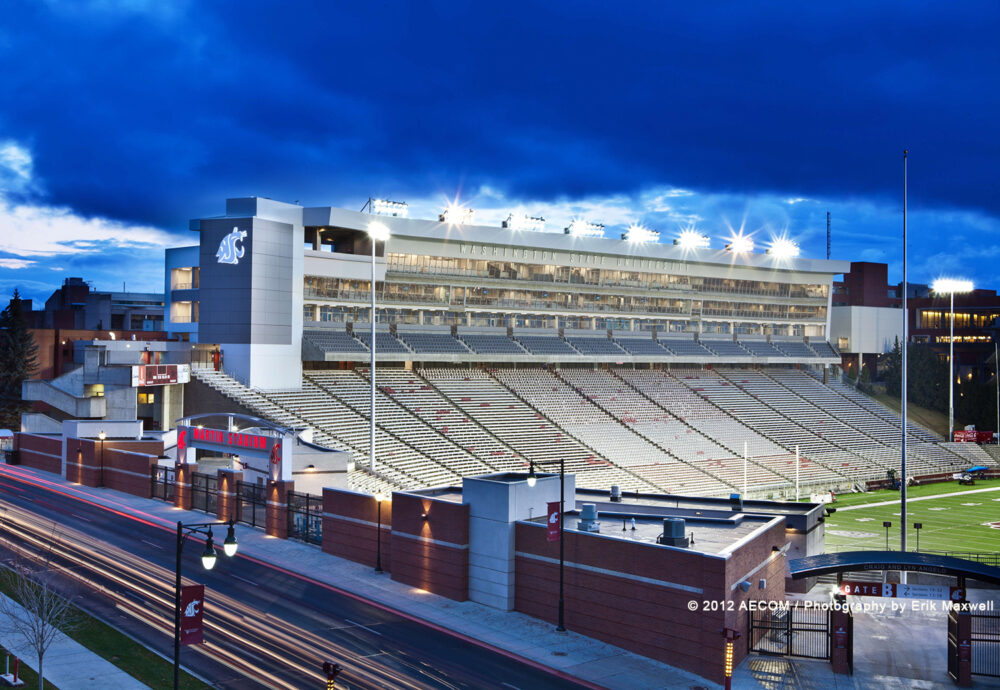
(516, 633)
(68, 664)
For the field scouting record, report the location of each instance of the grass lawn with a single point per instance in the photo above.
(950, 523)
(26, 674)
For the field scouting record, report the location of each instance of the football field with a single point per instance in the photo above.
(955, 518)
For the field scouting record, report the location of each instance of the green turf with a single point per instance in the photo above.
(948, 524)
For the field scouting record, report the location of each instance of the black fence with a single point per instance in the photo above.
(204, 492)
(305, 517)
(251, 504)
(790, 631)
(985, 639)
(161, 483)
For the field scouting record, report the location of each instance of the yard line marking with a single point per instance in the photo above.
(921, 498)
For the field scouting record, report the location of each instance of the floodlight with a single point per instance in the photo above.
(637, 233)
(581, 228)
(456, 215)
(952, 286)
(378, 231)
(524, 222)
(692, 239)
(783, 248)
(385, 207)
(740, 244)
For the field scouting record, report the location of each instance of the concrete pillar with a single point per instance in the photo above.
(226, 504)
(276, 524)
(182, 484)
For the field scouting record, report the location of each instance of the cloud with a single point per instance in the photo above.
(15, 168)
(15, 264)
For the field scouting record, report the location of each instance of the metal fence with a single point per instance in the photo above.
(790, 631)
(204, 492)
(305, 517)
(985, 639)
(251, 504)
(161, 483)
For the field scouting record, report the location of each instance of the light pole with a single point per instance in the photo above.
(102, 436)
(950, 286)
(377, 232)
(379, 497)
(887, 525)
(918, 526)
(208, 559)
(562, 523)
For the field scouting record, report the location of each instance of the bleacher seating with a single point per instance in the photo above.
(431, 342)
(491, 344)
(545, 345)
(823, 348)
(761, 348)
(334, 340)
(794, 348)
(684, 347)
(641, 346)
(384, 342)
(725, 348)
(595, 346)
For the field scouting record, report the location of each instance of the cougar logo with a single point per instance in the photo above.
(229, 251)
(192, 609)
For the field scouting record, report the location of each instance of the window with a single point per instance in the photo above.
(146, 398)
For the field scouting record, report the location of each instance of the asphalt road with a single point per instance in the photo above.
(262, 622)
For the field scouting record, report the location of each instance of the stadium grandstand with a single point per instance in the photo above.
(655, 367)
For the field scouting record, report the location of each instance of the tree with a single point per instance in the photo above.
(18, 361)
(35, 610)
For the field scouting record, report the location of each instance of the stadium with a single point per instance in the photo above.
(678, 368)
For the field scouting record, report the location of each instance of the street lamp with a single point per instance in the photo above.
(379, 497)
(208, 559)
(102, 436)
(950, 286)
(377, 232)
(918, 526)
(532, 479)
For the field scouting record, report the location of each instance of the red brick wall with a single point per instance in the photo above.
(182, 484)
(83, 462)
(225, 506)
(40, 452)
(605, 599)
(431, 554)
(349, 524)
(128, 471)
(276, 518)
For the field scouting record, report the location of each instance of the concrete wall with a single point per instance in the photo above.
(867, 329)
(431, 553)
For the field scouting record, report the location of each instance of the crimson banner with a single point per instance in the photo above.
(555, 520)
(192, 602)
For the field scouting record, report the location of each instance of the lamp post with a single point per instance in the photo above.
(379, 497)
(208, 558)
(102, 436)
(941, 286)
(377, 232)
(562, 524)
(918, 526)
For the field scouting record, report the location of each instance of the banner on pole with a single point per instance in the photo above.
(192, 602)
(555, 521)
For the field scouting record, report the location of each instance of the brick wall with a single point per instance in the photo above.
(39, 452)
(636, 596)
(128, 471)
(349, 527)
(431, 553)
(276, 519)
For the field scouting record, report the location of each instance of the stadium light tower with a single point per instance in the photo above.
(950, 286)
(783, 248)
(377, 232)
(740, 244)
(692, 239)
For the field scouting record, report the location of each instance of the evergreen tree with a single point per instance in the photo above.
(18, 361)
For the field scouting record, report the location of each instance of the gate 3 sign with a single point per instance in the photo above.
(888, 589)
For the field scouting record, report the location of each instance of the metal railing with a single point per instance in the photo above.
(251, 504)
(161, 483)
(305, 517)
(204, 492)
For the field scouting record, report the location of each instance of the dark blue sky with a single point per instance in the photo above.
(121, 120)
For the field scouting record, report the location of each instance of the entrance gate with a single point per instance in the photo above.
(161, 483)
(792, 631)
(204, 494)
(985, 648)
(251, 505)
